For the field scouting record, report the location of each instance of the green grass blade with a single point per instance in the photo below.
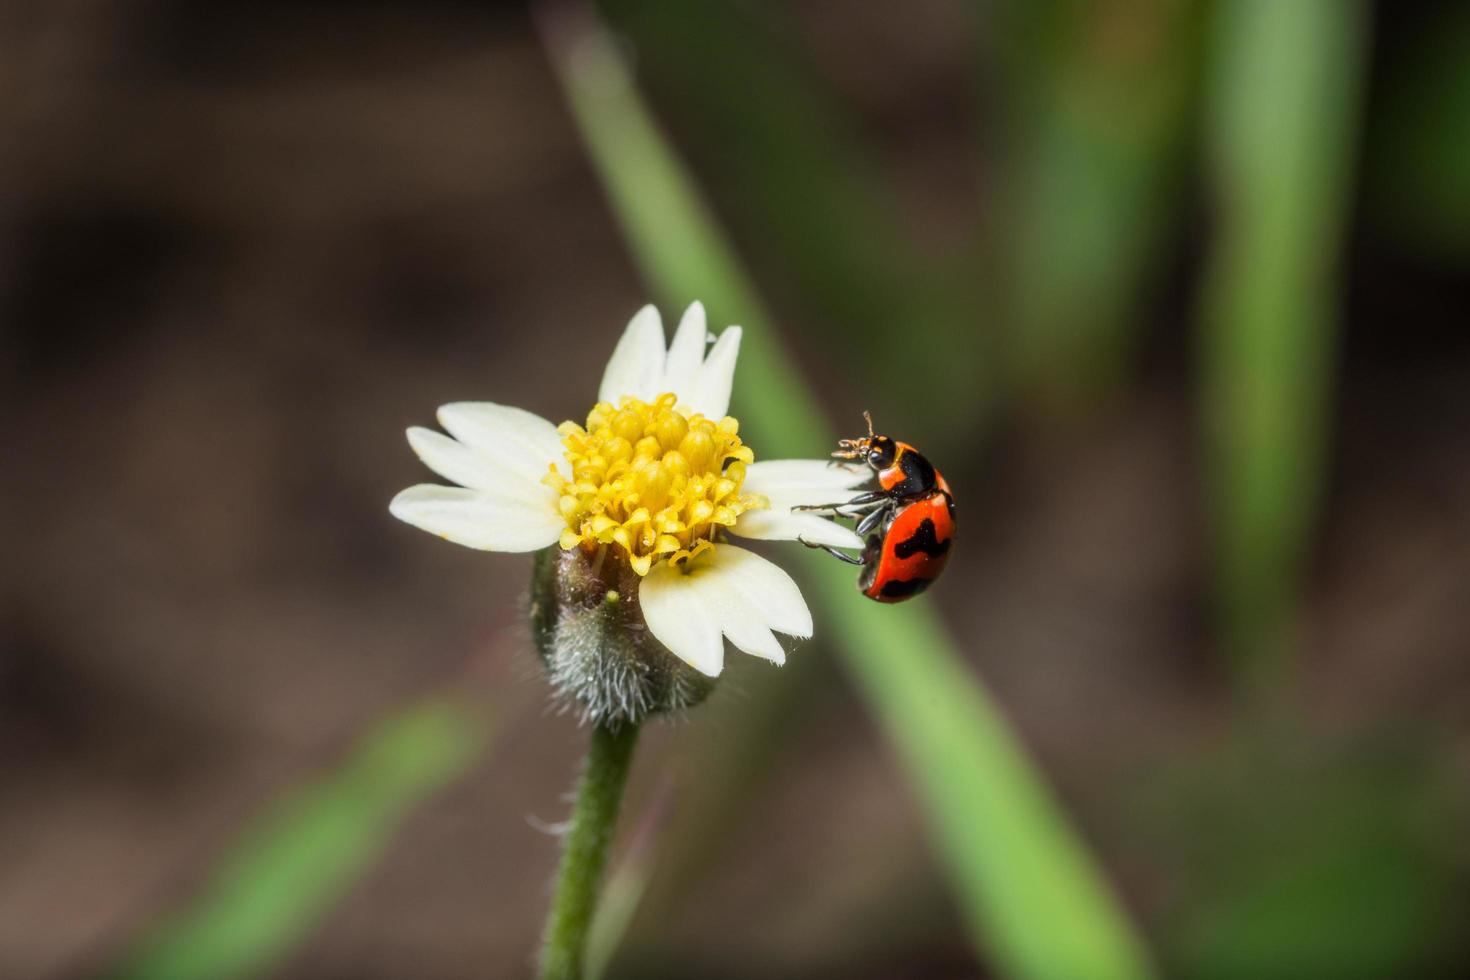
(291, 867)
(809, 189)
(1284, 104)
(1035, 903)
(1096, 99)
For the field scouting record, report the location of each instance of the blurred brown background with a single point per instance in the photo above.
(243, 245)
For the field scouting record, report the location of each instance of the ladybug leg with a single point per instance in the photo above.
(871, 522)
(840, 555)
(863, 501)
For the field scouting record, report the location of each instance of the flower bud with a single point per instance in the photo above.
(598, 653)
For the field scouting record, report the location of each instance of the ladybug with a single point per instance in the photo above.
(908, 522)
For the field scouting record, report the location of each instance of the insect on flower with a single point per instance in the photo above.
(908, 522)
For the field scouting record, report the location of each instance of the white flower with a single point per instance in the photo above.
(659, 475)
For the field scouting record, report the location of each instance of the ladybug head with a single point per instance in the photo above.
(877, 451)
(881, 452)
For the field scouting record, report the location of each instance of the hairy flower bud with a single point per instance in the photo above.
(599, 655)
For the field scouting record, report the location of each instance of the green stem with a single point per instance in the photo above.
(564, 940)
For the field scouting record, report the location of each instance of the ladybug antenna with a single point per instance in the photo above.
(868, 417)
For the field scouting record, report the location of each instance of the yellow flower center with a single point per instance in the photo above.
(651, 480)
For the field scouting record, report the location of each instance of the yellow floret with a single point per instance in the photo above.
(648, 479)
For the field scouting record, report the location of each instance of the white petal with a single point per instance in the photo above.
(686, 353)
(520, 441)
(498, 521)
(789, 483)
(710, 392)
(727, 591)
(754, 638)
(804, 478)
(771, 595)
(465, 465)
(674, 609)
(637, 363)
(780, 524)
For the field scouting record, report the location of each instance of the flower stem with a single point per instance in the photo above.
(582, 862)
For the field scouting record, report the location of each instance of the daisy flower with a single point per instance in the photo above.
(644, 497)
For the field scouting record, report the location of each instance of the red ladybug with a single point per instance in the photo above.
(908, 522)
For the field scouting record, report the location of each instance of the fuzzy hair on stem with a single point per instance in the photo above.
(579, 877)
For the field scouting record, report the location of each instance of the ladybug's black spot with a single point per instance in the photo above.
(925, 539)
(895, 589)
(919, 478)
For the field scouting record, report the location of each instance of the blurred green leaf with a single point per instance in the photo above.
(1034, 902)
(1095, 98)
(291, 867)
(1292, 857)
(1418, 159)
(1284, 93)
(799, 180)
